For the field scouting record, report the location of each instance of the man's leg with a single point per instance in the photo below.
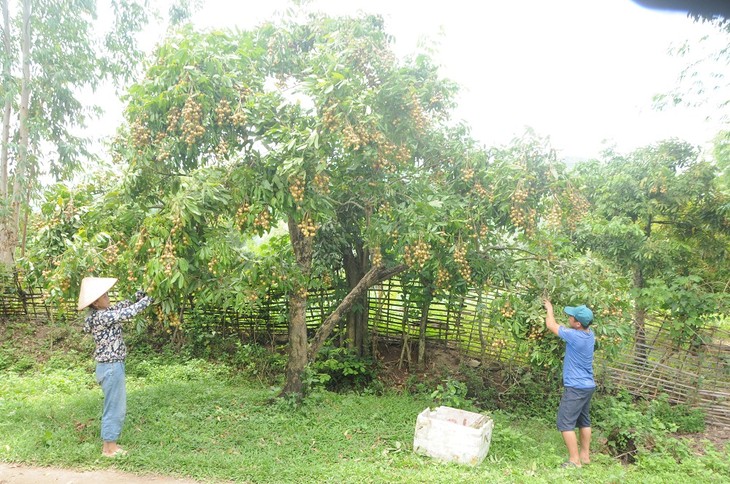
(585, 445)
(571, 442)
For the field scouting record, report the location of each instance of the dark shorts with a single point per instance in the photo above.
(574, 409)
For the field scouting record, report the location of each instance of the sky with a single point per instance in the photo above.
(582, 73)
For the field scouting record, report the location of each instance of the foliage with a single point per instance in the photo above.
(254, 360)
(340, 369)
(315, 124)
(452, 393)
(657, 214)
(54, 54)
(635, 428)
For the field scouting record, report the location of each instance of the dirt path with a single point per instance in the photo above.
(20, 474)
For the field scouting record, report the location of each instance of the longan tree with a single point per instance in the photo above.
(658, 215)
(314, 128)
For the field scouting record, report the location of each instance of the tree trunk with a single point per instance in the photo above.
(374, 276)
(298, 312)
(357, 320)
(426, 306)
(9, 225)
(5, 141)
(640, 349)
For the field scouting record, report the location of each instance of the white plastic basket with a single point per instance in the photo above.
(453, 435)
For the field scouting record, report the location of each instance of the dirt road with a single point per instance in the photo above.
(19, 474)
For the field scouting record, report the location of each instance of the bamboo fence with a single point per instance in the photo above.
(697, 376)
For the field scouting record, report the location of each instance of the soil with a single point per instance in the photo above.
(21, 474)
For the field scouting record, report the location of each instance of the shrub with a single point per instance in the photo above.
(452, 393)
(254, 360)
(339, 369)
(634, 427)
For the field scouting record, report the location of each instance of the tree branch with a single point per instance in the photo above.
(374, 276)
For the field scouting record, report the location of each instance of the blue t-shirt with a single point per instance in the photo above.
(578, 363)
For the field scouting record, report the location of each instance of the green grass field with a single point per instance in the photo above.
(196, 419)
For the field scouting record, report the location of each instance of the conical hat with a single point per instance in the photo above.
(92, 288)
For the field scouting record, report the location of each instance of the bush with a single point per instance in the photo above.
(635, 427)
(452, 393)
(254, 360)
(686, 419)
(339, 369)
(532, 394)
(480, 387)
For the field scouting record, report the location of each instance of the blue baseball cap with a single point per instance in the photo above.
(581, 314)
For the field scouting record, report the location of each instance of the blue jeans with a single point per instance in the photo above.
(111, 378)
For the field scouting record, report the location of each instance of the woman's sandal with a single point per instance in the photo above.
(117, 453)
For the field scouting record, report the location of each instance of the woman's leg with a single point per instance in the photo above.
(111, 378)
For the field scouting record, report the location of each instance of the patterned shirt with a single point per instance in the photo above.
(105, 325)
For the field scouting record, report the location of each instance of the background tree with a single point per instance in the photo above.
(50, 56)
(656, 214)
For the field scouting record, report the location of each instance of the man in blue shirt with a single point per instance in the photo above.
(578, 380)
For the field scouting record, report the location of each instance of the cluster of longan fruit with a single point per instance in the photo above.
(436, 100)
(168, 257)
(130, 276)
(442, 278)
(419, 118)
(212, 265)
(112, 254)
(242, 212)
(223, 112)
(658, 188)
(382, 163)
(520, 215)
(460, 259)
(177, 225)
(611, 312)
(555, 216)
(376, 257)
(239, 118)
(499, 343)
(483, 230)
(535, 333)
(328, 118)
(173, 118)
(322, 183)
(140, 240)
(192, 114)
(467, 174)
(351, 138)
(307, 227)
(221, 149)
(579, 207)
(140, 134)
(417, 255)
(263, 220)
(481, 191)
(296, 188)
(507, 310)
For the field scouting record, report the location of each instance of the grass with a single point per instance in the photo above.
(196, 419)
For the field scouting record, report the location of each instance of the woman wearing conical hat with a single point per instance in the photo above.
(104, 322)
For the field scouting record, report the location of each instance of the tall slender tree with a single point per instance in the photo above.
(62, 55)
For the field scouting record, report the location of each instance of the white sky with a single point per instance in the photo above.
(578, 71)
